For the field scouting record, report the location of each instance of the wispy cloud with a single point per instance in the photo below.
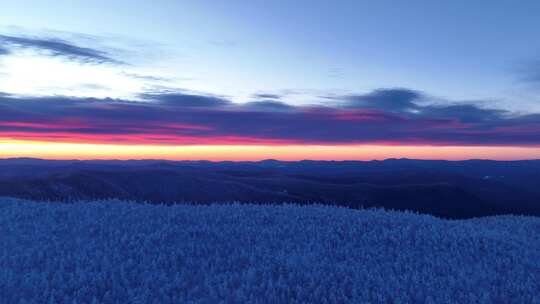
(378, 117)
(529, 72)
(58, 47)
(3, 51)
(266, 96)
(145, 77)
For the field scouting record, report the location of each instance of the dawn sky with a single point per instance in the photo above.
(270, 79)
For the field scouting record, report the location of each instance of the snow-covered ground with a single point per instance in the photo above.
(118, 252)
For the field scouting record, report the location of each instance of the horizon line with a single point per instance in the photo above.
(261, 160)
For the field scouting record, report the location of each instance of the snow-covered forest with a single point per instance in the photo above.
(121, 252)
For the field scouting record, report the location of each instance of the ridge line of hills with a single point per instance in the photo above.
(448, 189)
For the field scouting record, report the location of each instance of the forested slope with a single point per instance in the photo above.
(118, 252)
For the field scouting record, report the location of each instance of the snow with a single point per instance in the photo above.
(122, 252)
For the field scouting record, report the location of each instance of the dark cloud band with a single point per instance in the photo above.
(386, 116)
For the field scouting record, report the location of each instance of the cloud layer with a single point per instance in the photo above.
(385, 116)
(55, 47)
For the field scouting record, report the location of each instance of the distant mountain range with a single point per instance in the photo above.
(450, 189)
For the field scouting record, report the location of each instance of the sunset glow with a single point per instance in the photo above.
(50, 150)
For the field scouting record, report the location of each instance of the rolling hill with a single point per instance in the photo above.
(118, 252)
(462, 189)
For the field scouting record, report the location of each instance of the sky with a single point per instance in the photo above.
(277, 79)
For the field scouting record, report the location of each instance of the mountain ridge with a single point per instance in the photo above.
(453, 189)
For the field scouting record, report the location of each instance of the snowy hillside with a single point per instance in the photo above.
(116, 252)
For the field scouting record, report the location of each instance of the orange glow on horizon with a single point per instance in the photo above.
(50, 150)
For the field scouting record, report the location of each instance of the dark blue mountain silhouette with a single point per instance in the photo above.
(452, 189)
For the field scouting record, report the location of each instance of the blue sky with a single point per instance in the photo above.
(479, 51)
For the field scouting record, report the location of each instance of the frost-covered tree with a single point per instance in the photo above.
(120, 252)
